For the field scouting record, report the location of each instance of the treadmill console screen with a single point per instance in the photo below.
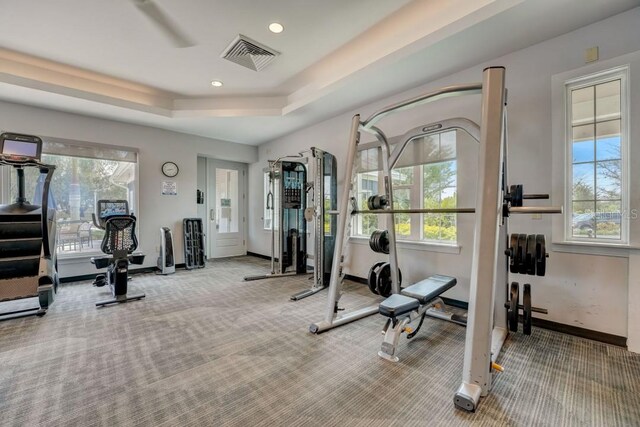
(21, 147)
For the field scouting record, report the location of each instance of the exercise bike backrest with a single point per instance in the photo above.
(119, 226)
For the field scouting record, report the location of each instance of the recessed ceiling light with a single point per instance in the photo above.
(216, 83)
(276, 28)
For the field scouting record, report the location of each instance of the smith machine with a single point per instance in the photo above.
(487, 320)
(289, 192)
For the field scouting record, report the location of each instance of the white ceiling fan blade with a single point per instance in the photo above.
(164, 23)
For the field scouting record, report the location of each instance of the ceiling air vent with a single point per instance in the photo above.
(249, 53)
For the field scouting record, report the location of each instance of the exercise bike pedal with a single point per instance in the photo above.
(100, 281)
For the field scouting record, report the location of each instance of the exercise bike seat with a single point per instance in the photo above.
(430, 288)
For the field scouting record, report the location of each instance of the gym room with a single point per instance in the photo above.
(320, 213)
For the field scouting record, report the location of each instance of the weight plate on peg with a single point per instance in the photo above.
(372, 278)
(512, 313)
(530, 257)
(526, 311)
(541, 255)
(377, 202)
(521, 254)
(384, 280)
(518, 195)
(513, 251)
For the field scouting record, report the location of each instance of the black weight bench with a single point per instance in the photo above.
(411, 303)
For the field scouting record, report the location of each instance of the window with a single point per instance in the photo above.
(596, 147)
(368, 184)
(83, 176)
(425, 176)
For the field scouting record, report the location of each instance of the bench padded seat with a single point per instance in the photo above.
(397, 305)
(428, 289)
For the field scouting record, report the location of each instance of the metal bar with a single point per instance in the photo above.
(445, 92)
(476, 377)
(466, 125)
(335, 282)
(325, 325)
(45, 212)
(318, 205)
(415, 211)
(534, 309)
(536, 210)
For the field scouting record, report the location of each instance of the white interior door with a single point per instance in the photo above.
(227, 185)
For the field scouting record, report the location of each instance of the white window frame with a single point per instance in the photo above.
(416, 195)
(621, 73)
(86, 146)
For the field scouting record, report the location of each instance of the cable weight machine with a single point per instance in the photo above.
(290, 190)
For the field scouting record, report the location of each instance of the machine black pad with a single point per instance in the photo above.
(397, 305)
(427, 289)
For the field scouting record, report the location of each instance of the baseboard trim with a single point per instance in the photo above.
(257, 255)
(132, 272)
(541, 323)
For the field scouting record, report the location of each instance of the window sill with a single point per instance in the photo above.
(416, 246)
(621, 250)
(77, 258)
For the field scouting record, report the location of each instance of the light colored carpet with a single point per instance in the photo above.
(207, 349)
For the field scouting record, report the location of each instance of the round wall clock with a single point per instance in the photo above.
(170, 169)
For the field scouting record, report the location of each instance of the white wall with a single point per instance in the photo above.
(588, 291)
(155, 147)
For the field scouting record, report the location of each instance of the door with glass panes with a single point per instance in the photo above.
(227, 182)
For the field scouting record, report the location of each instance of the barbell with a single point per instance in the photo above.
(513, 209)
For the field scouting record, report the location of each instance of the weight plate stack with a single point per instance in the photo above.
(384, 280)
(526, 311)
(379, 241)
(512, 313)
(515, 195)
(377, 202)
(372, 278)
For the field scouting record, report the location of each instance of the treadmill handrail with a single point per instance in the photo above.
(44, 207)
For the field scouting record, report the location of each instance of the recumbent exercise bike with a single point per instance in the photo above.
(119, 243)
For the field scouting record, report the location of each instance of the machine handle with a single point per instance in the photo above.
(212, 214)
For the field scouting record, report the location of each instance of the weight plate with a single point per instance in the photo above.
(377, 202)
(526, 312)
(384, 280)
(530, 256)
(512, 193)
(372, 278)
(370, 203)
(512, 314)
(521, 253)
(518, 196)
(513, 250)
(383, 242)
(373, 241)
(541, 255)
